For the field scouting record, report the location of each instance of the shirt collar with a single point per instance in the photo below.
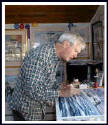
(54, 52)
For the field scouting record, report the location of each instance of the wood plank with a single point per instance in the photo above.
(50, 117)
(9, 118)
(49, 13)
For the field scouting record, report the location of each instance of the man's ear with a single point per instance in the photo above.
(66, 43)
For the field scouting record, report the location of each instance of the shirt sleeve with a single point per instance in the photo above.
(36, 81)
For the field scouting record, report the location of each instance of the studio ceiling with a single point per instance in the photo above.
(49, 13)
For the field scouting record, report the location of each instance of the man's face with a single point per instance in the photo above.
(71, 51)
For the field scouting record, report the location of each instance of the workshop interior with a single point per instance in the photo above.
(28, 26)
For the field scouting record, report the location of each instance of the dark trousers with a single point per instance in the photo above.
(17, 116)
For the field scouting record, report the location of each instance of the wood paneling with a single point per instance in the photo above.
(49, 13)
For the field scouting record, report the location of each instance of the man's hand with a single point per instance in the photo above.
(63, 85)
(68, 90)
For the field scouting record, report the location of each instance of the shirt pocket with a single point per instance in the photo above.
(53, 77)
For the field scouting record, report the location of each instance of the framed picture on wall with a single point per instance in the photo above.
(15, 47)
(85, 54)
(42, 37)
(97, 40)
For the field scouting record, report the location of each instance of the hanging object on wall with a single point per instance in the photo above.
(27, 26)
(70, 26)
(21, 26)
(16, 26)
(34, 24)
(19, 38)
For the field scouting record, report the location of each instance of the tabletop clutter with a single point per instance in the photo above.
(88, 106)
(98, 82)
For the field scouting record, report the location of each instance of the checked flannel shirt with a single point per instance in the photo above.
(36, 84)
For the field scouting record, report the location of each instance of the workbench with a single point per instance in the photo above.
(88, 106)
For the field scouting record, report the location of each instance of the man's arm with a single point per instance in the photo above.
(67, 90)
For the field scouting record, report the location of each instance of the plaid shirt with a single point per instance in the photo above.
(36, 85)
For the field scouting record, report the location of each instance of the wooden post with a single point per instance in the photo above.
(65, 73)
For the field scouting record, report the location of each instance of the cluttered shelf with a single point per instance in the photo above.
(97, 87)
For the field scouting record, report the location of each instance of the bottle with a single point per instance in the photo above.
(96, 84)
(96, 77)
(97, 72)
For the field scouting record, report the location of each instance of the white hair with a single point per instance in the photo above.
(72, 38)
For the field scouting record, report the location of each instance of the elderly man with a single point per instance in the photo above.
(36, 85)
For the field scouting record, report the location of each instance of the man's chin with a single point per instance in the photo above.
(67, 60)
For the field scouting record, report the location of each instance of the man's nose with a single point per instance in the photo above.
(75, 54)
